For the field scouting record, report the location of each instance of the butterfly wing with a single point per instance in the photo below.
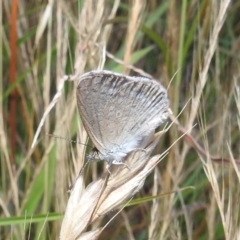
(119, 111)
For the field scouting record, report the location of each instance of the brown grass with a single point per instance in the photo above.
(193, 191)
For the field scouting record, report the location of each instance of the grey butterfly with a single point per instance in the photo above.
(119, 112)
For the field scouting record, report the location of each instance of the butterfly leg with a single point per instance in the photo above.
(126, 166)
(122, 163)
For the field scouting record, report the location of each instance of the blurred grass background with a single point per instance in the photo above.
(197, 42)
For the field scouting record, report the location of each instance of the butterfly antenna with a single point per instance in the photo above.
(66, 139)
(83, 167)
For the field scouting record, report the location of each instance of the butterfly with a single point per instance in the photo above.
(119, 112)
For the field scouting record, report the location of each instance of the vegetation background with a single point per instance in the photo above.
(194, 43)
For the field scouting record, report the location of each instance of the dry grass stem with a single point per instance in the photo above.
(155, 217)
(200, 150)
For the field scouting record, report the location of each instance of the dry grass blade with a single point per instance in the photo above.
(218, 23)
(134, 23)
(43, 22)
(107, 193)
(129, 66)
(91, 235)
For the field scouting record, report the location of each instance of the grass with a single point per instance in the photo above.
(191, 47)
